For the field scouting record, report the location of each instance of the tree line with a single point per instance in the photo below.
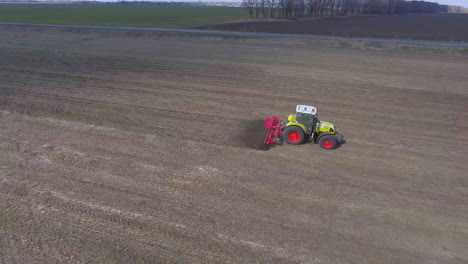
(299, 8)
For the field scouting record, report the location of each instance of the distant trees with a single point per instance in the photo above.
(299, 8)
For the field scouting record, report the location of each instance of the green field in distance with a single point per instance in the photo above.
(120, 15)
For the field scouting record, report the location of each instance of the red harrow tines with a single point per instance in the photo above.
(275, 131)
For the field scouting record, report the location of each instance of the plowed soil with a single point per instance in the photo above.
(439, 27)
(141, 148)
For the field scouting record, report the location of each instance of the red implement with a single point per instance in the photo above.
(275, 131)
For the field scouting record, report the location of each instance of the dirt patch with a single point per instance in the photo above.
(254, 133)
(439, 27)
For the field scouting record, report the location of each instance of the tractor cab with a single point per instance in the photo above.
(305, 115)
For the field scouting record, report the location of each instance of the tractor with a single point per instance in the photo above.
(302, 127)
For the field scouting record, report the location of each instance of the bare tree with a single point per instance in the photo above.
(298, 8)
(249, 5)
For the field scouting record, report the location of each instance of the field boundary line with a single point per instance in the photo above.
(250, 34)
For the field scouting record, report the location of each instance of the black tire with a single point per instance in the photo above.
(320, 135)
(293, 135)
(328, 142)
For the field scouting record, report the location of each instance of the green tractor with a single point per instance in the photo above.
(304, 126)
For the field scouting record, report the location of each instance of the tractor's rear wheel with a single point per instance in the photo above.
(328, 142)
(293, 135)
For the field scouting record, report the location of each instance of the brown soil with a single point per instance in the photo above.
(447, 27)
(140, 149)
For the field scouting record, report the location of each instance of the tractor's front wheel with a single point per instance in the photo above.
(328, 142)
(293, 135)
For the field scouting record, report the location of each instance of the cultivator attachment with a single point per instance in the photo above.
(275, 132)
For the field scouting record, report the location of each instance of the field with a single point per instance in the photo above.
(130, 147)
(440, 27)
(119, 15)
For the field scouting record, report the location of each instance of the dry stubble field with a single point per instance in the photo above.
(130, 148)
(439, 27)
